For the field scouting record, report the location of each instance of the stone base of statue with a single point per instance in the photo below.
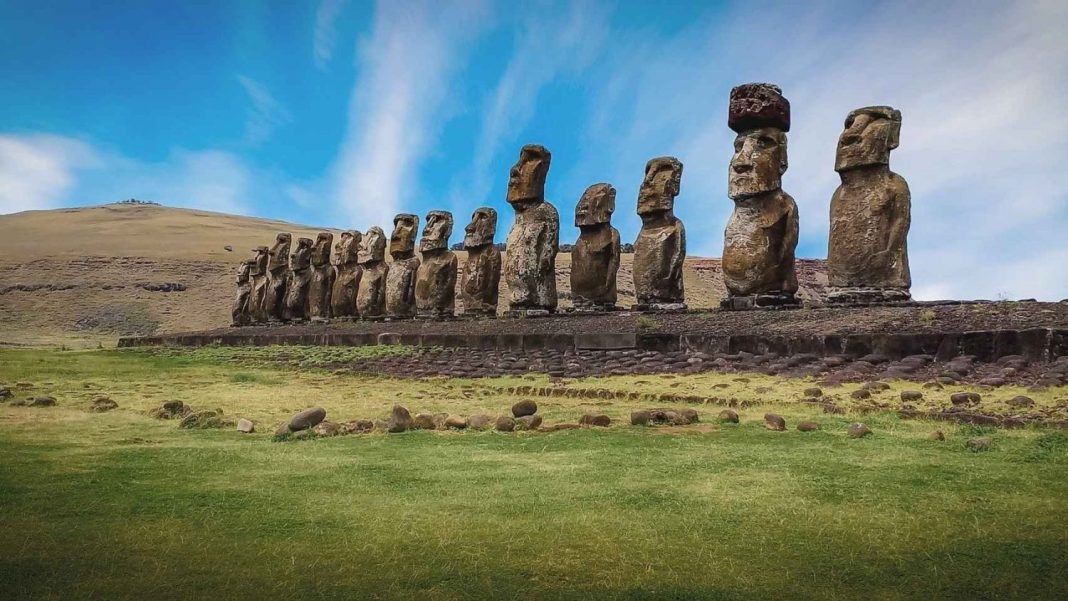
(866, 296)
(318, 319)
(660, 307)
(525, 313)
(435, 315)
(588, 308)
(767, 300)
(372, 318)
(479, 313)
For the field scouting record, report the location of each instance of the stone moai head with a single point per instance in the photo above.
(437, 231)
(869, 136)
(347, 248)
(259, 261)
(526, 180)
(402, 241)
(321, 252)
(596, 206)
(663, 180)
(372, 246)
(301, 257)
(482, 229)
(761, 116)
(244, 270)
(278, 256)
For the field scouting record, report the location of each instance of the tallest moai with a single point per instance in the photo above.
(530, 259)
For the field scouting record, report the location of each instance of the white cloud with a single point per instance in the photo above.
(265, 115)
(37, 171)
(326, 30)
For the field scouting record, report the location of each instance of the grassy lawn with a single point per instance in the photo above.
(119, 505)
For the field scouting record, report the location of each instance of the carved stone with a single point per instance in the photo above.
(322, 278)
(400, 278)
(867, 256)
(277, 277)
(435, 281)
(258, 272)
(300, 274)
(240, 312)
(761, 235)
(530, 262)
(595, 258)
(481, 277)
(660, 250)
(346, 276)
(371, 294)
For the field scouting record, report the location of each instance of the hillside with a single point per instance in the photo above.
(86, 276)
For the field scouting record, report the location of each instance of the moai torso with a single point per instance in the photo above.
(371, 293)
(240, 312)
(530, 262)
(871, 209)
(660, 249)
(400, 277)
(435, 281)
(300, 274)
(277, 276)
(595, 258)
(346, 275)
(258, 272)
(481, 276)
(322, 278)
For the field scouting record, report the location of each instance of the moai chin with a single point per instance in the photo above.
(481, 277)
(761, 235)
(660, 250)
(322, 278)
(371, 294)
(347, 273)
(300, 275)
(240, 315)
(258, 272)
(530, 259)
(400, 277)
(435, 280)
(277, 278)
(867, 255)
(595, 259)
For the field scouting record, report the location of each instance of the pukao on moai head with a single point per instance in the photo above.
(400, 277)
(240, 312)
(346, 275)
(322, 278)
(595, 258)
(277, 276)
(482, 271)
(435, 281)
(299, 280)
(867, 255)
(530, 263)
(371, 294)
(660, 250)
(761, 236)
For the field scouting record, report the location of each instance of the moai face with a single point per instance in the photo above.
(244, 270)
(437, 231)
(402, 242)
(259, 262)
(301, 257)
(758, 163)
(526, 181)
(321, 252)
(869, 136)
(347, 247)
(278, 256)
(372, 246)
(482, 229)
(663, 179)
(596, 206)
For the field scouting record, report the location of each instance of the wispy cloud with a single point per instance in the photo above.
(265, 113)
(325, 40)
(37, 171)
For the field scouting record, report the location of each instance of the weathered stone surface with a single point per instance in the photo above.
(306, 419)
(358, 426)
(1020, 401)
(480, 282)
(807, 426)
(479, 422)
(277, 277)
(857, 430)
(530, 263)
(401, 275)
(596, 419)
(505, 423)
(911, 395)
(240, 312)
(322, 278)
(965, 398)
(867, 256)
(595, 257)
(660, 249)
(640, 417)
(399, 419)
(775, 422)
(423, 421)
(979, 443)
(327, 429)
(347, 274)
(43, 401)
(937, 435)
(456, 422)
(300, 274)
(371, 293)
(245, 426)
(258, 296)
(102, 403)
(728, 416)
(761, 235)
(860, 394)
(524, 407)
(528, 422)
(435, 281)
(813, 392)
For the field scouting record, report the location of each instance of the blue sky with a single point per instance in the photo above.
(342, 113)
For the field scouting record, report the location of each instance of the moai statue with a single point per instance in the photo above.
(300, 275)
(482, 271)
(259, 285)
(761, 236)
(371, 294)
(660, 250)
(322, 278)
(595, 259)
(240, 315)
(277, 278)
(530, 259)
(435, 282)
(347, 273)
(871, 211)
(400, 278)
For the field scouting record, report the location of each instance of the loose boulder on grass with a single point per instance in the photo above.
(640, 417)
(102, 403)
(728, 416)
(1021, 401)
(937, 436)
(43, 401)
(979, 444)
(911, 395)
(528, 422)
(524, 408)
(209, 418)
(456, 422)
(399, 419)
(505, 423)
(326, 428)
(807, 426)
(423, 421)
(479, 422)
(857, 430)
(774, 422)
(965, 398)
(171, 410)
(309, 418)
(245, 426)
(595, 419)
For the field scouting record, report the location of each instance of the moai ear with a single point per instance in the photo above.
(784, 164)
(894, 131)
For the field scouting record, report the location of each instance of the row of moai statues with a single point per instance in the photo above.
(867, 257)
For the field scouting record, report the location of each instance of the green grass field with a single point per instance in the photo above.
(120, 505)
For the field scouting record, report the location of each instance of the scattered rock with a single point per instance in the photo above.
(399, 419)
(439, 420)
(1021, 401)
(933, 386)
(833, 409)
(860, 394)
(505, 423)
(774, 422)
(559, 427)
(528, 422)
(729, 416)
(424, 421)
(308, 418)
(686, 416)
(911, 395)
(456, 422)
(808, 426)
(479, 422)
(5, 393)
(876, 386)
(858, 430)
(980, 443)
(43, 401)
(246, 426)
(640, 417)
(325, 428)
(936, 435)
(813, 392)
(102, 403)
(209, 418)
(358, 426)
(524, 408)
(965, 398)
(595, 419)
